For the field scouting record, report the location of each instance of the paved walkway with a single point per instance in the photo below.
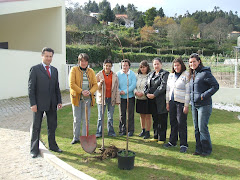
(15, 159)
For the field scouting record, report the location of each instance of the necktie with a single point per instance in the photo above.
(47, 67)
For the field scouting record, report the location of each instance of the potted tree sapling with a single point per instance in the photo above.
(126, 157)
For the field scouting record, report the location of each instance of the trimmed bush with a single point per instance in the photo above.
(97, 54)
(149, 49)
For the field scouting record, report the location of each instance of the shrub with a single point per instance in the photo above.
(97, 54)
(149, 49)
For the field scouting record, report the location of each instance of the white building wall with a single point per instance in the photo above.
(32, 30)
(14, 71)
(28, 26)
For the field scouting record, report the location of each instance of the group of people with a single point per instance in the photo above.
(157, 94)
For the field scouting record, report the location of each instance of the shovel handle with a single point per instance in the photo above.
(86, 116)
(103, 98)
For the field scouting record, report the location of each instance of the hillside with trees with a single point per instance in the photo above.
(153, 32)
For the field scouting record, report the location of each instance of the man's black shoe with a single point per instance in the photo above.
(57, 150)
(75, 141)
(34, 155)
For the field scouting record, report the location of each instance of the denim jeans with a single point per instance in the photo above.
(78, 116)
(109, 115)
(201, 115)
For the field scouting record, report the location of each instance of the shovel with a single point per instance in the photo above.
(88, 143)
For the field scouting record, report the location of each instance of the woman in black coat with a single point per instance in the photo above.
(155, 90)
(202, 86)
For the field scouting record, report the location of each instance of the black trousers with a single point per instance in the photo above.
(122, 122)
(159, 121)
(36, 129)
(178, 122)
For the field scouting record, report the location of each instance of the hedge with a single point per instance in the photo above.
(97, 54)
(138, 57)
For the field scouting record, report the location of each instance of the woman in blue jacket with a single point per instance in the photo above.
(202, 86)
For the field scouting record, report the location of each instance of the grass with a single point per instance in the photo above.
(152, 161)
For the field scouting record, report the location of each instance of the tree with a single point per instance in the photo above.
(189, 27)
(175, 35)
(119, 9)
(104, 4)
(91, 7)
(150, 14)
(139, 21)
(160, 12)
(147, 32)
(161, 24)
(131, 12)
(217, 30)
(107, 15)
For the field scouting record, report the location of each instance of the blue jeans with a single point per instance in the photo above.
(109, 115)
(201, 116)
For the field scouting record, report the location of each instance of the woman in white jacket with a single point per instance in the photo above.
(142, 101)
(177, 100)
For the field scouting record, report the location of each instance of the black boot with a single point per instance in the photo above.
(147, 135)
(142, 133)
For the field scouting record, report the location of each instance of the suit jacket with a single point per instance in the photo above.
(42, 90)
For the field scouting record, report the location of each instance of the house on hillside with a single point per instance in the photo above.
(234, 34)
(96, 15)
(26, 27)
(122, 19)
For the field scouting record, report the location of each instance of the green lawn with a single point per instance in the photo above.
(152, 161)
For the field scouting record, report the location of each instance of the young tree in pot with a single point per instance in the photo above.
(126, 157)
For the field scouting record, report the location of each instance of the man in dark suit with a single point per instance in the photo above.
(44, 95)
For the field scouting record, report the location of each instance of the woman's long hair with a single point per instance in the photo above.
(191, 71)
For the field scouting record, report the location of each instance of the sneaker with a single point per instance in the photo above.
(122, 133)
(98, 135)
(147, 135)
(142, 133)
(169, 145)
(130, 133)
(183, 149)
(153, 140)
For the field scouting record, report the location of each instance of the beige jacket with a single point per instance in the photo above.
(115, 95)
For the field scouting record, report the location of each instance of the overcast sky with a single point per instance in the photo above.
(170, 7)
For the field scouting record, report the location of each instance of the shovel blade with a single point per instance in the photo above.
(88, 143)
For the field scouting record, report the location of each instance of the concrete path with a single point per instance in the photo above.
(15, 159)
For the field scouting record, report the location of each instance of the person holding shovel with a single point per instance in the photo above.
(126, 75)
(83, 85)
(107, 80)
(155, 90)
(142, 102)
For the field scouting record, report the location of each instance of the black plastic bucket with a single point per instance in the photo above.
(126, 162)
